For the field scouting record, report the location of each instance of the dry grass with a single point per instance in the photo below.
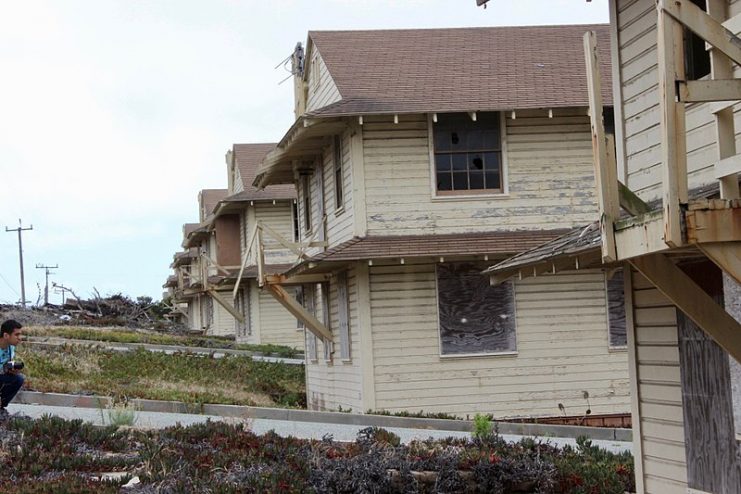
(153, 375)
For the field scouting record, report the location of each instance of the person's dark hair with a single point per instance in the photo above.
(9, 326)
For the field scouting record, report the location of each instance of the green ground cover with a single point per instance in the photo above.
(63, 457)
(123, 335)
(183, 377)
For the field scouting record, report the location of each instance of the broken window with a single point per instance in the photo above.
(616, 310)
(338, 186)
(475, 317)
(468, 153)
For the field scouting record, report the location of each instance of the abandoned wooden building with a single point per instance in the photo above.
(670, 219)
(420, 158)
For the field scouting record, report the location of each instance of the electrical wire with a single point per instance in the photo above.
(9, 285)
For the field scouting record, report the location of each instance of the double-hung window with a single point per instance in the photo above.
(468, 154)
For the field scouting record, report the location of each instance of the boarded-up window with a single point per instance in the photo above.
(475, 317)
(343, 315)
(616, 310)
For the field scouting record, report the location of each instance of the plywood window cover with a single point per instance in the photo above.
(468, 193)
(615, 303)
(486, 294)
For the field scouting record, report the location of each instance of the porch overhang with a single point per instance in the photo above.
(303, 142)
(196, 236)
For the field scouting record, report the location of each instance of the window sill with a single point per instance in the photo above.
(472, 197)
(480, 355)
(617, 349)
(339, 211)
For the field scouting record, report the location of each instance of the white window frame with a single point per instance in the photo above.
(506, 353)
(328, 345)
(476, 196)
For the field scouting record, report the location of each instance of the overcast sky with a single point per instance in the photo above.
(115, 113)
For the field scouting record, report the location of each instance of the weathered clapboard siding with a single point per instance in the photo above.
(548, 170)
(276, 325)
(322, 89)
(338, 383)
(278, 217)
(663, 460)
(339, 221)
(223, 322)
(637, 41)
(561, 352)
(237, 184)
(316, 191)
(194, 314)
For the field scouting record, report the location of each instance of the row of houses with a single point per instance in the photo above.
(449, 249)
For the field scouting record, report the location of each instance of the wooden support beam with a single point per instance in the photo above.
(298, 311)
(673, 128)
(710, 90)
(299, 279)
(282, 241)
(713, 225)
(250, 244)
(605, 168)
(692, 300)
(630, 202)
(700, 23)
(726, 255)
(640, 235)
(729, 166)
(229, 307)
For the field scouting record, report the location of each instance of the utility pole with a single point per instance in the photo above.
(20, 230)
(46, 286)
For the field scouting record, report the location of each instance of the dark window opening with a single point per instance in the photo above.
(616, 310)
(338, 189)
(296, 228)
(696, 57)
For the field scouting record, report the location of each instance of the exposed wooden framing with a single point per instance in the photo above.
(229, 307)
(248, 250)
(673, 138)
(605, 168)
(547, 266)
(703, 25)
(692, 300)
(279, 238)
(726, 255)
(722, 68)
(214, 264)
(299, 279)
(710, 90)
(630, 202)
(640, 235)
(260, 259)
(311, 322)
(714, 225)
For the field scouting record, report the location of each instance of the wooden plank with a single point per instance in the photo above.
(710, 90)
(633, 372)
(726, 255)
(630, 202)
(673, 128)
(605, 170)
(311, 322)
(729, 166)
(692, 300)
(713, 225)
(226, 305)
(694, 18)
(639, 238)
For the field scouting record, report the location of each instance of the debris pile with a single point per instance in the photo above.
(112, 310)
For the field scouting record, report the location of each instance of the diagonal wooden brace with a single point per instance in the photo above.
(299, 312)
(692, 300)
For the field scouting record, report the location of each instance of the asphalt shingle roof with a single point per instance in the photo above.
(463, 69)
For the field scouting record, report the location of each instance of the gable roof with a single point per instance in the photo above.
(461, 69)
(247, 157)
(208, 199)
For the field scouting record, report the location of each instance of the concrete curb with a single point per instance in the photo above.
(292, 415)
(54, 341)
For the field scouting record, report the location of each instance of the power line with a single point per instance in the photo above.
(46, 286)
(9, 285)
(20, 230)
